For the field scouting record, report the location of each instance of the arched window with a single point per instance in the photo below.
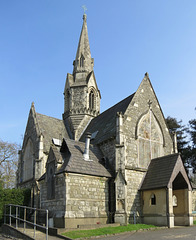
(153, 199)
(175, 201)
(150, 139)
(28, 161)
(91, 100)
(50, 182)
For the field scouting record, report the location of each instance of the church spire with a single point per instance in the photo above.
(82, 96)
(83, 61)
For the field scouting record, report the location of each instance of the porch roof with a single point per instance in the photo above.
(163, 171)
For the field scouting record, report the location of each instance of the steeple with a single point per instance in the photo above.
(83, 61)
(82, 96)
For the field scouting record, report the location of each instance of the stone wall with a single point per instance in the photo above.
(159, 207)
(78, 98)
(86, 200)
(155, 214)
(108, 149)
(79, 200)
(134, 179)
(194, 201)
(55, 206)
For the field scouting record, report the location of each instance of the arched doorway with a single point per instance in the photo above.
(180, 200)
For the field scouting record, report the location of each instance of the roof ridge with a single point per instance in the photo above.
(72, 140)
(166, 156)
(80, 142)
(117, 103)
(49, 116)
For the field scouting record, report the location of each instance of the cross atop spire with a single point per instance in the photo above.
(84, 7)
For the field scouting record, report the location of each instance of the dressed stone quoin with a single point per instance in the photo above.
(117, 166)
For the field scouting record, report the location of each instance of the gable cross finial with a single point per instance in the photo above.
(147, 75)
(85, 8)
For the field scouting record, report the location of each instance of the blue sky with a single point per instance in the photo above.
(38, 43)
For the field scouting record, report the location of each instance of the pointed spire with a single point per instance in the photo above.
(83, 61)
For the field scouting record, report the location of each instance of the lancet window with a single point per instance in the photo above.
(153, 199)
(51, 182)
(82, 61)
(91, 100)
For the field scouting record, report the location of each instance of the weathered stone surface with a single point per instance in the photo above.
(86, 196)
(194, 200)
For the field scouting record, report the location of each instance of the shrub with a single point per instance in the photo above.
(13, 196)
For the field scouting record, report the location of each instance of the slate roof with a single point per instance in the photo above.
(77, 164)
(105, 123)
(50, 128)
(71, 154)
(159, 172)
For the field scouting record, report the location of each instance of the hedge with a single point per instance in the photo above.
(13, 196)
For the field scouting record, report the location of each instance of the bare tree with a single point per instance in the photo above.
(8, 163)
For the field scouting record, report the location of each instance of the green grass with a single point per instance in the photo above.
(106, 230)
(194, 222)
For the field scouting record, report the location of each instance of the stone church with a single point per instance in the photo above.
(96, 168)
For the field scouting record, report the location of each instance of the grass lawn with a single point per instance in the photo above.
(105, 230)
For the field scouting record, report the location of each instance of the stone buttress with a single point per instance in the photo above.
(120, 182)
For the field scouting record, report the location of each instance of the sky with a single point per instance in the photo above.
(39, 39)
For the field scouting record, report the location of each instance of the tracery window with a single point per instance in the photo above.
(150, 139)
(91, 100)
